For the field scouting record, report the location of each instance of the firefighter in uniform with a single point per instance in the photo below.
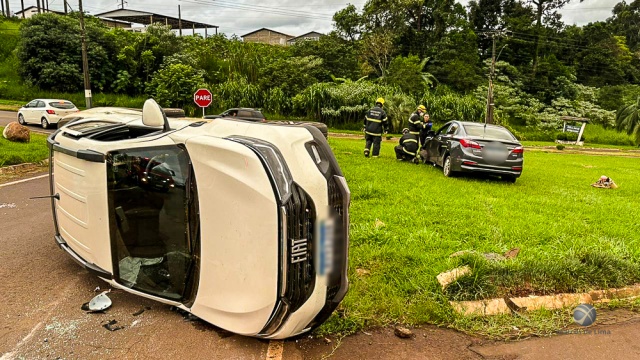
(408, 148)
(416, 121)
(375, 123)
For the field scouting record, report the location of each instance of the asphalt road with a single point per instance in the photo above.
(9, 116)
(42, 291)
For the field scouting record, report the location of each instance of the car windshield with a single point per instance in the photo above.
(62, 104)
(488, 132)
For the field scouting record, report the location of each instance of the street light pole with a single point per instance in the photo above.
(85, 61)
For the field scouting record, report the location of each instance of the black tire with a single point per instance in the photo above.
(44, 123)
(446, 167)
(174, 112)
(21, 120)
(509, 178)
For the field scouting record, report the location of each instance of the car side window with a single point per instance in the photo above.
(453, 129)
(40, 104)
(231, 113)
(443, 130)
(32, 104)
(244, 113)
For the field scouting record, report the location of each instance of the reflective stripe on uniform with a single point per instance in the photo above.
(373, 134)
(414, 132)
(410, 153)
(411, 140)
(374, 120)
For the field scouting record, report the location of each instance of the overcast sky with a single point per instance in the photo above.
(292, 17)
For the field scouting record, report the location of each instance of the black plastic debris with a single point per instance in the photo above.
(111, 326)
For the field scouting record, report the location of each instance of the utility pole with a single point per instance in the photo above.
(490, 104)
(66, 11)
(22, 4)
(7, 7)
(38, 5)
(2, 3)
(179, 20)
(85, 61)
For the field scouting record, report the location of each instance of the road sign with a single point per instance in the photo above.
(573, 129)
(202, 98)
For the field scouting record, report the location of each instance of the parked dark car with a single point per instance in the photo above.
(475, 147)
(250, 114)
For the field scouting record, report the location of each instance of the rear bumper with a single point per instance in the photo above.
(496, 170)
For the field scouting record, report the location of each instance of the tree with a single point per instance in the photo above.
(348, 23)
(407, 74)
(628, 119)
(377, 50)
(544, 8)
(339, 57)
(50, 56)
(174, 85)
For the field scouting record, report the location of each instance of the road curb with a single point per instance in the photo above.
(23, 167)
(549, 302)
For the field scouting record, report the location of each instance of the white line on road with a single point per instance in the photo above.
(275, 350)
(24, 180)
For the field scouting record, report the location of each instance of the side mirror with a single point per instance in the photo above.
(153, 115)
(431, 133)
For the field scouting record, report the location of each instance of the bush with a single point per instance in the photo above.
(561, 136)
(560, 147)
(174, 85)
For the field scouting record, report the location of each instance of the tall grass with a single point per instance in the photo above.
(593, 134)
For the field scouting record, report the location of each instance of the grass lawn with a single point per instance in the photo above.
(12, 153)
(406, 221)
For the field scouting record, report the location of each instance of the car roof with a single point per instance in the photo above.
(478, 124)
(52, 100)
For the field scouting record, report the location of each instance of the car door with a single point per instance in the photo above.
(435, 144)
(246, 115)
(38, 112)
(27, 113)
(123, 210)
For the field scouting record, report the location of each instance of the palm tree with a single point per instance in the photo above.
(628, 119)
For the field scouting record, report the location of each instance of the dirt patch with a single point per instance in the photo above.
(22, 173)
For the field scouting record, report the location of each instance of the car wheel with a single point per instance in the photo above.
(21, 119)
(446, 167)
(45, 123)
(509, 178)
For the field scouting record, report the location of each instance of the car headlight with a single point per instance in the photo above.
(274, 161)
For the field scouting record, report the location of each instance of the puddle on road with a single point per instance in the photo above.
(8, 206)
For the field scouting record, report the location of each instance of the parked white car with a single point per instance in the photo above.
(45, 112)
(243, 224)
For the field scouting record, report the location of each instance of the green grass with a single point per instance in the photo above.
(12, 153)
(593, 134)
(586, 145)
(406, 220)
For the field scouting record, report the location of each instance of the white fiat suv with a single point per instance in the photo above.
(243, 224)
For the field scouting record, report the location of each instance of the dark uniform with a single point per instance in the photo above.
(426, 127)
(407, 150)
(375, 123)
(415, 124)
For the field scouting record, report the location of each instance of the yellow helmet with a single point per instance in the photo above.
(422, 108)
(380, 100)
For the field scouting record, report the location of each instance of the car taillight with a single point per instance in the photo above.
(518, 150)
(51, 112)
(468, 143)
(469, 163)
(516, 168)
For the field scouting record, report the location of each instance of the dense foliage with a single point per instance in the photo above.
(410, 51)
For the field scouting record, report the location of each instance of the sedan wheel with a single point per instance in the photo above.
(509, 178)
(21, 119)
(45, 123)
(446, 168)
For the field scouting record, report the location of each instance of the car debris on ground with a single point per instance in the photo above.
(99, 303)
(605, 182)
(111, 326)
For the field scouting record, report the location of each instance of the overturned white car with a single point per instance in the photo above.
(242, 224)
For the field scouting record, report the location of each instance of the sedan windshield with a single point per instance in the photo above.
(62, 104)
(489, 132)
